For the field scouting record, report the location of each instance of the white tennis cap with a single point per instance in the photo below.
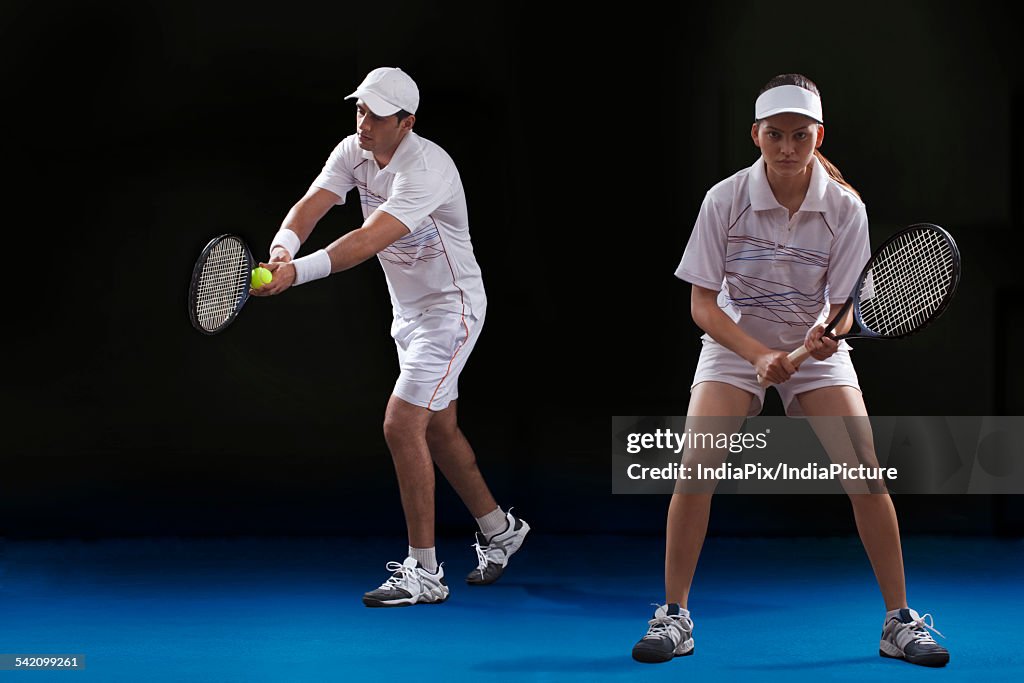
(788, 98)
(387, 90)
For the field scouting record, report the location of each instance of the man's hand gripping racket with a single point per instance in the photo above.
(222, 281)
(907, 283)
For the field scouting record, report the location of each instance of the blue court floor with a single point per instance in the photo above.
(569, 608)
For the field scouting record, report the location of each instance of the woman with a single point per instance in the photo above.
(773, 247)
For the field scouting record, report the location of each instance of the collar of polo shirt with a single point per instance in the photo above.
(404, 153)
(763, 199)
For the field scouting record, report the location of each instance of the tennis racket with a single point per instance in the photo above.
(220, 284)
(907, 283)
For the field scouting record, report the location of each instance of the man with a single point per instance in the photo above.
(415, 221)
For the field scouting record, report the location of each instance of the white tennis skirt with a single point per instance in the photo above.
(719, 364)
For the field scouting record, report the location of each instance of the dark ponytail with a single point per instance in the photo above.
(802, 81)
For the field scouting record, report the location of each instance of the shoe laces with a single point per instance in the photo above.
(493, 550)
(919, 627)
(659, 627)
(398, 579)
(482, 557)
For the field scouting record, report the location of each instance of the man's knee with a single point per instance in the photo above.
(393, 432)
(403, 423)
(441, 432)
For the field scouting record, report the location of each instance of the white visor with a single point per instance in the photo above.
(788, 98)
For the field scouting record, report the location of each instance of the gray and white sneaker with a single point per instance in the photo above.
(906, 637)
(669, 634)
(410, 584)
(492, 554)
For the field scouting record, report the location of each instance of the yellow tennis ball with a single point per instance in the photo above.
(260, 277)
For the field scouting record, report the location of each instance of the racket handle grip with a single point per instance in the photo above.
(796, 357)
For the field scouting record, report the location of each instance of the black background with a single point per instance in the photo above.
(136, 131)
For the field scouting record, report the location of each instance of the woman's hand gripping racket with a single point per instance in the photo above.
(220, 284)
(906, 284)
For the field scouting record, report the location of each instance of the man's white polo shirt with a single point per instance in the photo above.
(774, 273)
(434, 266)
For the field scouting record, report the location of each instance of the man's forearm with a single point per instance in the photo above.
(301, 220)
(356, 246)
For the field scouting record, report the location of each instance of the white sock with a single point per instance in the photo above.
(493, 523)
(427, 557)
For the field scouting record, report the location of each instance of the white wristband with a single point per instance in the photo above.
(312, 267)
(287, 239)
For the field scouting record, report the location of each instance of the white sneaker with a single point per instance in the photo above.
(410, 584)
(669, 634)
(906, 637)
(492, 555)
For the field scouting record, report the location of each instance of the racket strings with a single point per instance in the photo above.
(913, 283)
(908, 283)
(222, 282)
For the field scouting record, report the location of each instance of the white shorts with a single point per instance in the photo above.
(719, 364)
(432, 350)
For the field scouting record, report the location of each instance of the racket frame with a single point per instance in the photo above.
(854, 300)
(800, 354)
(193, 287)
